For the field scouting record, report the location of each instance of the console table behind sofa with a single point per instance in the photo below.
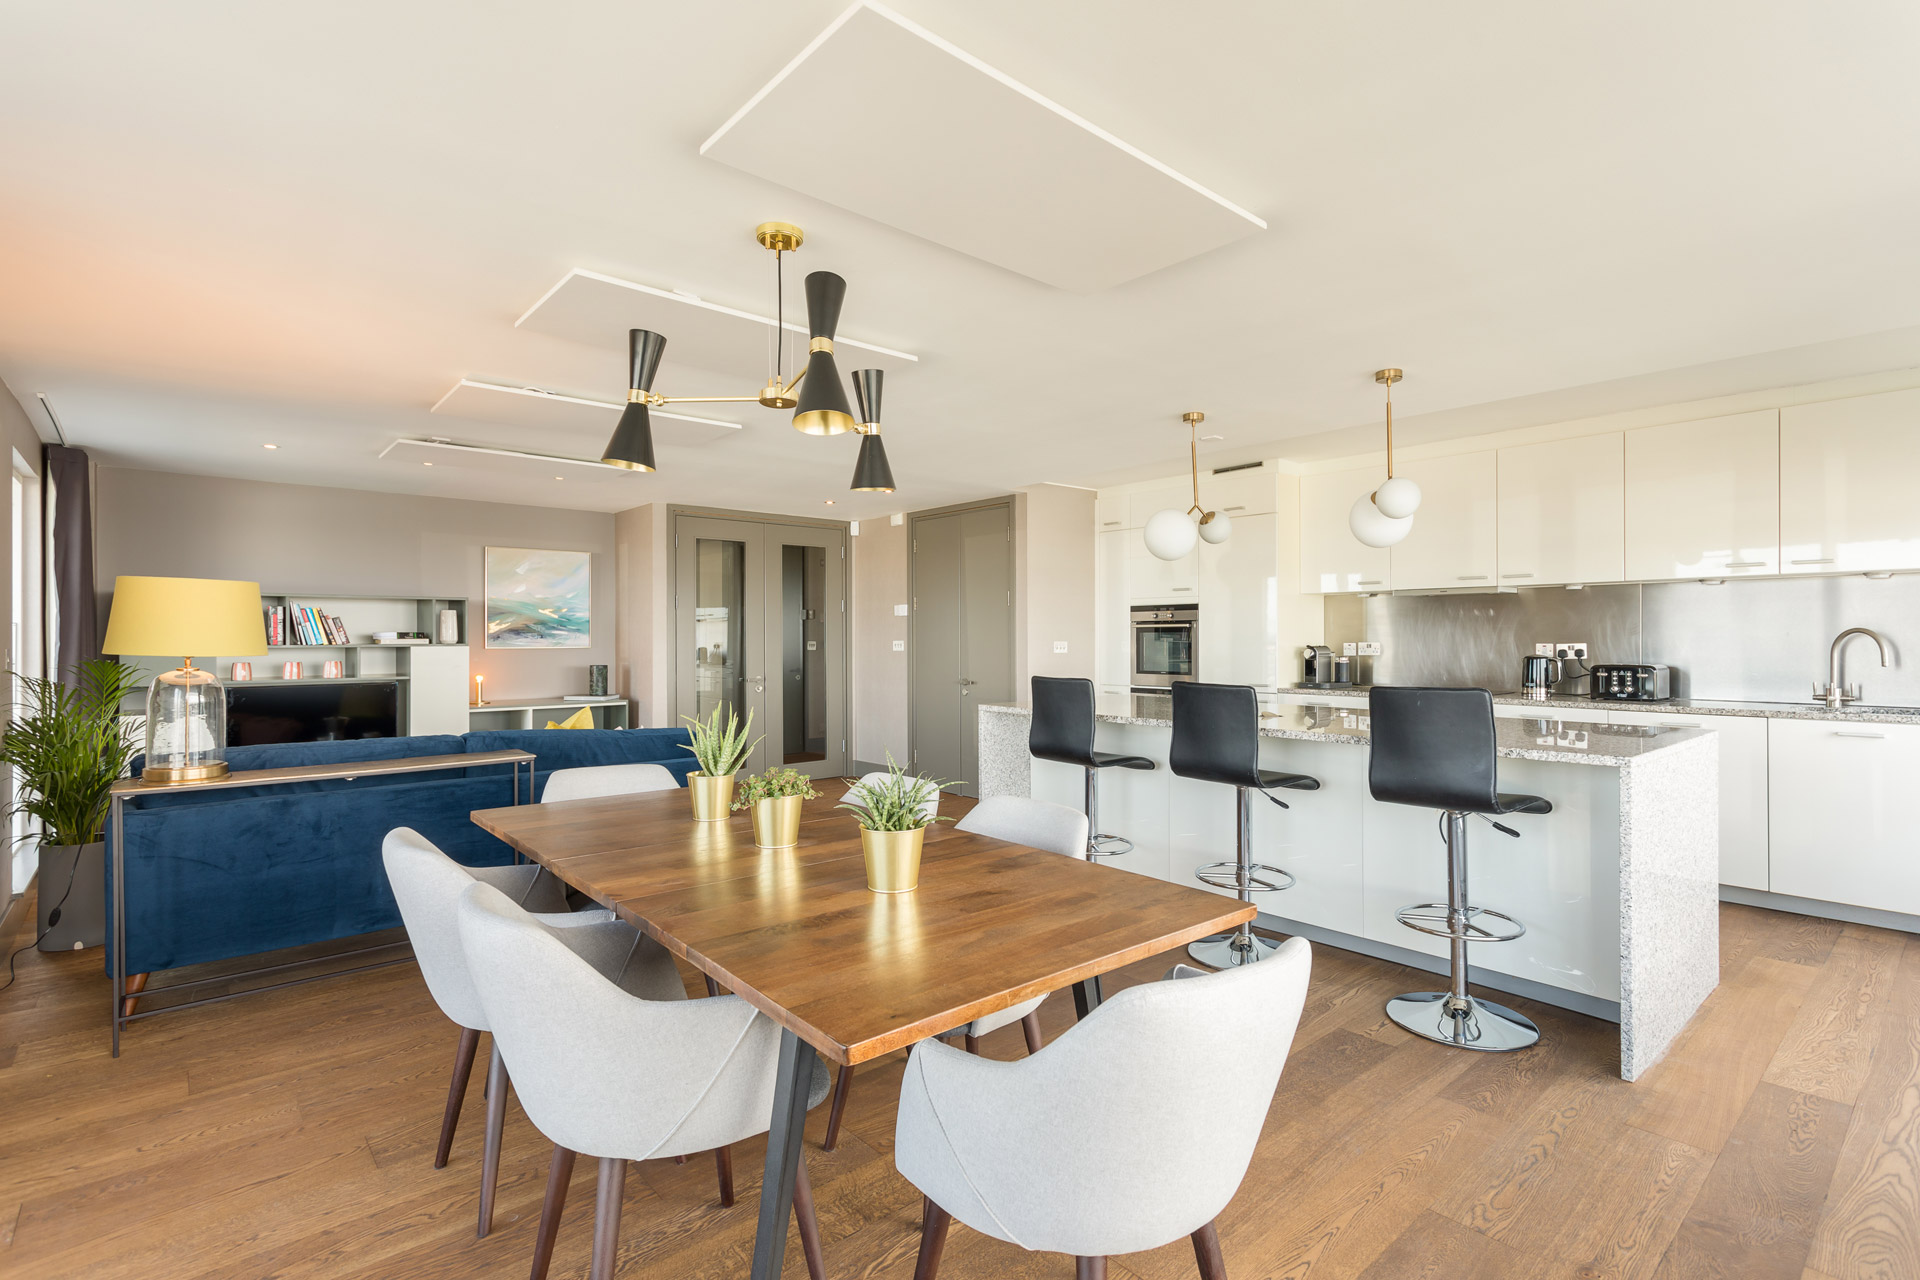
(285, 852)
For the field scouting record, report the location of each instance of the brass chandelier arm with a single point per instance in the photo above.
(796, 380)
(660, 400)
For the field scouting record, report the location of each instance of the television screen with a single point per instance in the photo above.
(323, 711)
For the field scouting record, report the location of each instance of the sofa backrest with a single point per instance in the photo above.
(578, 748)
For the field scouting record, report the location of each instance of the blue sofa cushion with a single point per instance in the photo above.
(579, 748)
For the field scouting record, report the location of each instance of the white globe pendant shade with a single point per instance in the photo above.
(1398, 498)
(1170, 534)
(1217, 530)
(1373, 526)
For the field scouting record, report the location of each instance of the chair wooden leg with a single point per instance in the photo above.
(136, 983)
(723, 1160)
(1089, 1269)
(1206, 1248)
(809, 1225)
(490, 1150)
(842, 1086)
(558, 1178)
(606, 1216)
(973, 1045)
(1030, 1025)
(456, 1092)
(933, 1240)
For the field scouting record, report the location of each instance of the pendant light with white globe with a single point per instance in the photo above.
(1171, 534)
(1385, 516)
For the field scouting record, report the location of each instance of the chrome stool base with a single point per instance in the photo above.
(1231, 950)
(1107, 847)
(1478, 1024)
(1244, 878)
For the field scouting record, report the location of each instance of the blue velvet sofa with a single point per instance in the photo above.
(217, 874)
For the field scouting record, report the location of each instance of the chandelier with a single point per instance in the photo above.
(1170, 534)
(820, 409)
(1385, 516)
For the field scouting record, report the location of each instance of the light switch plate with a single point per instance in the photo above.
(899, 646)
(897, 518)
(1059, 646)
(899, 611)
(1543, 650)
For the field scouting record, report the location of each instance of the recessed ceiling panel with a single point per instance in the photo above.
(882, 117)
(550, 412)
(589, 307)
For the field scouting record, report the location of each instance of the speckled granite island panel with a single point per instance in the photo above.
(1618, 887)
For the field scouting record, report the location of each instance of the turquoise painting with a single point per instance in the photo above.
(538, 599)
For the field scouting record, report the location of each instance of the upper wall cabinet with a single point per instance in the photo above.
(1250, 492)
(1239, 604)
(1151, 580)
(1331, 558)
(1703, 498)
(1109, 510)
(1849, 470)
(1453, 541)
(1143, 504)
(1559, 511)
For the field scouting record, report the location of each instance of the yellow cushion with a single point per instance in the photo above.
(581, 719)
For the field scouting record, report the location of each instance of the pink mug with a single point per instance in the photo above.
(332, 669)
(241, 671)
(290, 670)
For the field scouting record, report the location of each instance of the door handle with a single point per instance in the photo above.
(965, 683)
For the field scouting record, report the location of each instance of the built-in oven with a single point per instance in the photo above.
(1166, 645)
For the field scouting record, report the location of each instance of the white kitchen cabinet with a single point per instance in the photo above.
(1743, 788)
(1703, 498)
(1113, 663)
(1250, 491)
(1849, 470)
(1559, 511)
(1840, 819)
(1239, 604)
(1453, 542)
(1142, 504)
(1151, 580)
(1110, 510)
(1332, 560)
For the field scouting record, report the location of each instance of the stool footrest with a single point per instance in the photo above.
(1108, 847)
(1437, 918)
(1229, 875)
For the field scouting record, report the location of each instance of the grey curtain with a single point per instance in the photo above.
(75, 622)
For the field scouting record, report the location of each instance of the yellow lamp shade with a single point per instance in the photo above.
(204, 617)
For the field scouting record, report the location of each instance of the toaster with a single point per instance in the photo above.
(1631, 682)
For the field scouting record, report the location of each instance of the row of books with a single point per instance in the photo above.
(302, 624)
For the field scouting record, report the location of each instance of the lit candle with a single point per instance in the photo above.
(479, 691)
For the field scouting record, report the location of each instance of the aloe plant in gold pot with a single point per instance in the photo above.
(774, 798)
(720, 752)
(895, 811)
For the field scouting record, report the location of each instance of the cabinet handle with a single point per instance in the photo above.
(1828, 560)
(1761, 564)
(1183, 588)
(1516, 575)
(1369, 582)
(1110, 524)
(1470, 577)
(1842, 733)
(1241, 507)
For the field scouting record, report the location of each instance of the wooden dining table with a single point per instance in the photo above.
(847, 973)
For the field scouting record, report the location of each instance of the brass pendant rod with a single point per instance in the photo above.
(1389, 430)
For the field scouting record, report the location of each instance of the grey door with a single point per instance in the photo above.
(962, 636)
(760, 627)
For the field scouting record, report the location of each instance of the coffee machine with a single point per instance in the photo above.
(1319, 669)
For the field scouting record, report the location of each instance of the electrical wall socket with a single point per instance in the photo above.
(899, 646)
(1369, 649)
(1059, 646)
(1543, 650)
(1571, 649)
(1349, 649)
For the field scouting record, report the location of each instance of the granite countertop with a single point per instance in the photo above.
(1863, 713)
(1548, 738)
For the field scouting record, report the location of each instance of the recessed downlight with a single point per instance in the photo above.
(829, 501)
(269, 446)
(426, 464)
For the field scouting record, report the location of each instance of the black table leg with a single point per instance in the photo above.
(790, 1090)
(1087, 996)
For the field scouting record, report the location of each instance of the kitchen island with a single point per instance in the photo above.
(1618, 886)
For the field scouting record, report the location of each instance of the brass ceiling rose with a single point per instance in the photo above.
(1387, 377)
(781, 237)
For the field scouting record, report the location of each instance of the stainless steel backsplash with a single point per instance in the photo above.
(1754, 641)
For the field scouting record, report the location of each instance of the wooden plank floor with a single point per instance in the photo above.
(290, 1134)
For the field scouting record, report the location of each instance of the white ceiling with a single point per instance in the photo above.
(229, 224)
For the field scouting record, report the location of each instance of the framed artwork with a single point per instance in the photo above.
(538, 599)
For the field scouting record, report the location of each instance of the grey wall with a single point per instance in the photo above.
(879, 676)
(1764, 640)
(298, 538)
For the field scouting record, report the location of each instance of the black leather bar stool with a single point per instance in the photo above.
(1063, 731)
(1435, 748)
(1216, 738)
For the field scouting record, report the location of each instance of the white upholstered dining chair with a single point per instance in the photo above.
(590, 782)
(931, 808)
(427, 884)
(605, 1073)
(1039, 825)
(1124, 1134)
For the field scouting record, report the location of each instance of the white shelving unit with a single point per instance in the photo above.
(608, 713)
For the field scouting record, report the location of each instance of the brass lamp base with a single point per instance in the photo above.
(164, 776)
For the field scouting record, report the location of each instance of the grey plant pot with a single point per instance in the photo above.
(83, 915)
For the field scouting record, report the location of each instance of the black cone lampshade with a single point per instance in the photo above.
(632, 443)
(871, 474)
(823, 409)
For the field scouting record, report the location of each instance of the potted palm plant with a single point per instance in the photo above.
(894, 812)
(774, 797)
(720, 752)
(67, 746)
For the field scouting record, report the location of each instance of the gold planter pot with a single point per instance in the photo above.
(711, 796)
(776, 822)
(893, 859)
